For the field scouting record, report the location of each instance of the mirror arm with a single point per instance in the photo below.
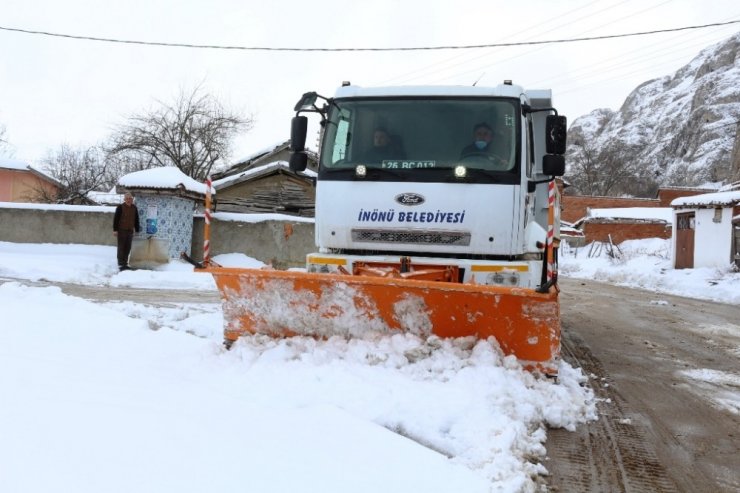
(526, 109)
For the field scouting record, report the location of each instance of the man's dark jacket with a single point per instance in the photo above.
(117, 218)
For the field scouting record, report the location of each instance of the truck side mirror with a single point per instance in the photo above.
(553, 165)
(298, 129)
(298, 161)
(307, 101)
(556, 130)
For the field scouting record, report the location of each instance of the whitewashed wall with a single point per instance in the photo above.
(713, 247)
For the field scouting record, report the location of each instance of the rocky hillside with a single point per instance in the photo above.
(680, 129)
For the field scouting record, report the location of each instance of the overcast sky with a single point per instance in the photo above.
(56, 90)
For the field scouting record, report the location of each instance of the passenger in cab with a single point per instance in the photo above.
(483, 145)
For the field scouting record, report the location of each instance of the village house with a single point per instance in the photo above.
(264, 183)
(20, 182)
(706, 230)
(617, 219)
(277, 152)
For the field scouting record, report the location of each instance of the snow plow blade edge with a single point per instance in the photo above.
(525, 323)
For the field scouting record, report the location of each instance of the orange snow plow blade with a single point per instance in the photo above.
(286, 303)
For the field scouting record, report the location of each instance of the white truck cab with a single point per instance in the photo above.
(436, 175)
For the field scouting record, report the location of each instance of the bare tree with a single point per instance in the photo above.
(79, 171)
(584, 168)
(735, 158)
(608, 171)
(4, 144)
(192, 134)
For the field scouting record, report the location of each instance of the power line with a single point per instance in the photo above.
(412, 48)
(657, 50)
(541, 47)
(458, 59)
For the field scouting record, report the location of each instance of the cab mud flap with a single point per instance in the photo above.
(286, 303)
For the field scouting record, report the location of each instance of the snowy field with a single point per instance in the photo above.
(123, 396)
(646, 264)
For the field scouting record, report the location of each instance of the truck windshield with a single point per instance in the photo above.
(408, 134)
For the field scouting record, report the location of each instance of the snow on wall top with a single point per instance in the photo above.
(257, 218)
(166, 178)
(708, 199)
(58, 207)
(646, 213)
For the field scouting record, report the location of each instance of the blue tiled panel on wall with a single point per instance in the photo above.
(167, 218)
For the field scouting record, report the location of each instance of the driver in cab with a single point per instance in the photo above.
(383, 147)
(482, 145)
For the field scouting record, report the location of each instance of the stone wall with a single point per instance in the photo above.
(281, 243)
(57, 224)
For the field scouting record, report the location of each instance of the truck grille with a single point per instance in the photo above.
(411, 237)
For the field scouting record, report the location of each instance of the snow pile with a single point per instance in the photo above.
(125, 396)
(646, 264)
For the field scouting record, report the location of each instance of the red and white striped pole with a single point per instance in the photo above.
(207, 228)
(550, 230)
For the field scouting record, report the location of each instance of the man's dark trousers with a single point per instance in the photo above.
(125, 237)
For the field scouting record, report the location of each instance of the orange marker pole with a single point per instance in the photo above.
(550, 230)
(207, 228)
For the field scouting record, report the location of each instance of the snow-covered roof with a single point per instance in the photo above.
(708, 199)
(643, 213)
(257, 171)
(164, 178)
(262, 152)
(14, 164)
(262, 155)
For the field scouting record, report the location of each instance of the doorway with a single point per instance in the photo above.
(685, 227)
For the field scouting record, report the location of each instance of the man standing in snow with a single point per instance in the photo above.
(125, 222)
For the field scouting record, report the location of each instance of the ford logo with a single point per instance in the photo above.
(409, 199)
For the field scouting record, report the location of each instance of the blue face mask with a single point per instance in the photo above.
(481, 144)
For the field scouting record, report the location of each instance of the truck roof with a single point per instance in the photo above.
(358, 91)
(543, 97)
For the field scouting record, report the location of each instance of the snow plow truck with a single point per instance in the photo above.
(436, 214)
